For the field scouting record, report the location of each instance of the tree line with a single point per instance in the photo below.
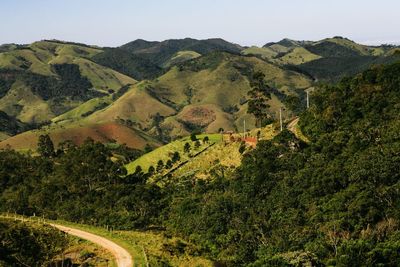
(331, 202)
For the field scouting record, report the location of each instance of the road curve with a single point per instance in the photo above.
(292, 125)
(122, 257)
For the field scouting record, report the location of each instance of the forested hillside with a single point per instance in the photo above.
(333, 201)
(330, 202)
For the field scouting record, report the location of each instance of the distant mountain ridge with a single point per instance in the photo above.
(68, 84)
(146, 59)
(329, 59)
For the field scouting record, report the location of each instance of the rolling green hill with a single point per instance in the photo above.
(181, 57)
(335, 68)
(327, 60)
(296, 56)
(187, 85)
(142, 59)
(47, 78)
(263, 52)
(202, 94)
(10, 126)
(161, 52)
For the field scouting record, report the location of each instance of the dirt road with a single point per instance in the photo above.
(292, 125)
(122, 257)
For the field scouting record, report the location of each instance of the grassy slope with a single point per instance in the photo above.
(38, 58)
(78, 133)
(136, 105)
(264, 52)
(101, 77)
(295, 53)
(161, 52)
(22, 104)
(164, 152)
(214, 90)
(362, 49)
(222, 87)
(180, 57)
(79, 248)
(297, 56)
(223, 153)
(3, 136)
(278, 48)
(80, 111)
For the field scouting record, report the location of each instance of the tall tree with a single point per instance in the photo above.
(259, 96)
(45, 146)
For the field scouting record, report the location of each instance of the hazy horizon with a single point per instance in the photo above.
(254, 22)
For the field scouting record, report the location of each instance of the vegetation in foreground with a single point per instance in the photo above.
(26, 244)
(155, 247)
(333, 201)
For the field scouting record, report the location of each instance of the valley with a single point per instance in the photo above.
(190, 152)
(183, 85)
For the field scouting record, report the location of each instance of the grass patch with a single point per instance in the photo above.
(165, 152)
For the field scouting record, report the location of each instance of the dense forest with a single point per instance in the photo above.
(331, 202)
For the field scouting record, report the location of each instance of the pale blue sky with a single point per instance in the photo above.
(248, 22)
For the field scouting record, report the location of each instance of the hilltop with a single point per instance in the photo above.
(166, 89)
(329, 59)
(204, 94)
(47, 78)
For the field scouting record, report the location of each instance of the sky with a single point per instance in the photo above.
(248, 22)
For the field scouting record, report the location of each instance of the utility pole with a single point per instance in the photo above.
(308, 99)
(244, 128)
(280, 118)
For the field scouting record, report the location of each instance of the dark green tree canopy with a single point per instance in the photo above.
(186, 148)
(45, 146)
(259, 95)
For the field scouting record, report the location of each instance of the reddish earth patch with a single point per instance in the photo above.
(230, 137)
(199, 116)
(251, 141)
(104, 133)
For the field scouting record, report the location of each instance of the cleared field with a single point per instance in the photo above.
(165, 152)
(218, 152)
(220, 155)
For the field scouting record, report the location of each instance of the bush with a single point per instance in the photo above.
(193, 137)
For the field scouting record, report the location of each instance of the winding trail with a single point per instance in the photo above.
(122, 257)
